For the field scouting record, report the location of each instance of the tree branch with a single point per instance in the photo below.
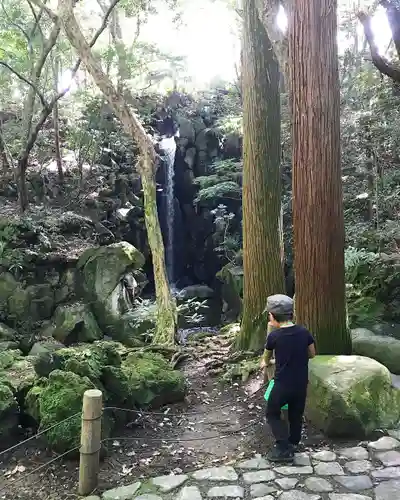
(381, 63)
(46, 111)
(116, 100)
(28, 82)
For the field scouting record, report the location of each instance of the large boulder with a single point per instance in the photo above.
(55, 399)
(75, 323)
(144, 379)
(386, 350)
(107, 284)
(351, 396)
(231, 276)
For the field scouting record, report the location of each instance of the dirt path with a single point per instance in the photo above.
(183, 438)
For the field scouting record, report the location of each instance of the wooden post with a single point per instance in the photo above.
(92, 411)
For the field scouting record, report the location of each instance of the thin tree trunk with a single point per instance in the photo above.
(263, 270)
(56, 125)
(166, 305)
(317, 187)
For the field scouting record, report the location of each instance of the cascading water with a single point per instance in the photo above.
(168, 146)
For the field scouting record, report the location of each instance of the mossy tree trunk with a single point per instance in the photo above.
(317, 187)
(262, 256)
(166, 305)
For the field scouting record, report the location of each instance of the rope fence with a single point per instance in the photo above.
(91, 438)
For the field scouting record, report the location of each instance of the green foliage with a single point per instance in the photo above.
(223, 181)
(373, 285)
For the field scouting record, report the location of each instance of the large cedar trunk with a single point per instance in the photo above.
(166, 305)
(317, 189)
(262, 259)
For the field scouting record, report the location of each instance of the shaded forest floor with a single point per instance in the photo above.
(180, 438)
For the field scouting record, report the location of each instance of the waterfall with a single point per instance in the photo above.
(168, 146)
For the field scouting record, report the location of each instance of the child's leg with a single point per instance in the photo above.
(279, 427)
(296, 407)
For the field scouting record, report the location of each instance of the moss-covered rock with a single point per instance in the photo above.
(139, 323)
(75, 323)
(8, 409)
(7, 334)
(55, 399)
(350, 396)
(144, 379)
(33, 303)
(386, 350)
(49, 345)
(104, 273)
(231, 276)
(85, 360)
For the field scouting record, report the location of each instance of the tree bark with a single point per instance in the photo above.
(56, 124)
(317, 187)
(263, 269)
(166, 305)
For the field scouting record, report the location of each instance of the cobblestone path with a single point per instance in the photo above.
(370, 471)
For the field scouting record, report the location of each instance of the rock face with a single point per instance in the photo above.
(350, 396)
(386, 350)
(108, 284)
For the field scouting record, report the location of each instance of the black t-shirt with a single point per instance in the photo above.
(291, 354)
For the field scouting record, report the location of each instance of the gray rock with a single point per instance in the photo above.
(359, 466)
(268, 497)
(302, 459)
(93, 497)
(148, 497)
(385, 443)
(389, 458)
(216, 474)
(387, 473)
(355, 453)
(229, 491)
(298, 495)
(395, 434)
(318, 485)
(324, 456)
(329, 469)
(169, 483)
(287, 483)
(355, 483)
(290, 470)
(259, 490)
(189, 493)
(388, 490)
(257, 463)
(347, 496)
(262, 476)
(122, 493)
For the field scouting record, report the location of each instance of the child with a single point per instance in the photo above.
(293, 345)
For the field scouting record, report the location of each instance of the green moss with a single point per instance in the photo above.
(144, 379)
(350, 396)
(60, 397)
(7, 358)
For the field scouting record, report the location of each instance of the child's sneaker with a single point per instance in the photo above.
(278, 454)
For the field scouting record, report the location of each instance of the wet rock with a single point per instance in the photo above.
(324, 456)
(318, 485)
(258, 477)
(355, 483)
(389, 458)
(329, 469)
(231, 491)
(385, 443)
(355, 453)
(359, 466)
(388, 490)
